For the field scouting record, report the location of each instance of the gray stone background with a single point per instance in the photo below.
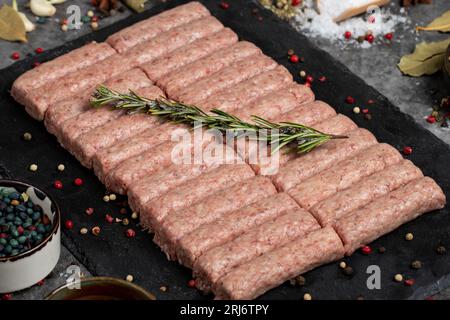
(376, 65)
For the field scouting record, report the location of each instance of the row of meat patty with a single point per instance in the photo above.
(243, 226)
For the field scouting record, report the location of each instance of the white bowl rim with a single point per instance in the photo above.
(55, 224)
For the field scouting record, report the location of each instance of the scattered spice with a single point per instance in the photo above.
(90, 13)
(130, 233)
(294, 58)
(33, 167)
(416, 264)
(309, 79)
(347, 35)
(15, 56)
(163, 288)
(6, 296)
(58, 184)
(125, 222)
(368, 116)
(39, 50)
(129, 278)
(407, 150)
(83, 230)
(96, 230)
(106, 198)
(94, 25)
(389, 36)
(191, 283)
(112, 197)
(409, 236)
(370, 38)
(365, 111)
(409, 282)
(68, 224)
(78, 182)
(342, 265)
(290, 52)
(224, 5)
(349, 100)
(348, 271)
(440, 250)
(41, 282)
(398, 277)
(302, 74)
(109, 218)
(366, 250)
(64, 27)
(61, 167)
(89, 211)
(307, 297)
(356, 110)
(298, 281)
(134, 215)
(381, 250)
(123, 210)
(27, 136)
(322, 78)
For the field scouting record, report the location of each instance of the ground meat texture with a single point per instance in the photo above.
(74, 128)
(211, 208)
(379, 184)
(344, 174)
(231, 225)
(107, 159)
(234, 74)
(61, 111)
(325, 156)
(270, 270)
(166, 179)
(38, 101)
(237, 97)
(190, 53)
(123, 128)
(273, 104)
(151, 27)
(57, 68)
(273, 234)
(388, 212)
(192, 191)
(172, 40)
(176, 80)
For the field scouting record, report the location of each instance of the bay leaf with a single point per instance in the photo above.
(427, 58)
(441, 24)
(12, 27)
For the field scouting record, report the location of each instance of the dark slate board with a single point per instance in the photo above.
(114, 255)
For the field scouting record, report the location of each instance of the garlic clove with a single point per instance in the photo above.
(42, 8)
(29, 26)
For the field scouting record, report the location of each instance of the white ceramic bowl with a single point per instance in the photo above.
(29, 267)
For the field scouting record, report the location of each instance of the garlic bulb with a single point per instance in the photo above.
(42, 8)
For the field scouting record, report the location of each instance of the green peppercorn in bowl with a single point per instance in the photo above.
(30, 235)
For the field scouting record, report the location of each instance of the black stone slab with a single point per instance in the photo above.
(111, 253)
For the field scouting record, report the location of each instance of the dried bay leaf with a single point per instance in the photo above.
(441, 24)
(12, 27)
(427, 58)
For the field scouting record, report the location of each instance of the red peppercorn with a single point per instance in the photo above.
(20, 230)
(6, 296)
(322, 79)
(130, 233)
(370, 101)
(366, 250)
(407, 150)
(41, 282)
(350, 100)
(94, 19)
(89, 211)
(295, 3)
(224, 5)
(15, 56)
(294, 58)
(431, 119)
(78, 182)
(309, 79)
(347, 35)
(58, 185)
(68, 224)
(109, 218)
(365, 111)
(39, 50)
(389, 36)
(370, 38)
(191, 283)
(409, 282)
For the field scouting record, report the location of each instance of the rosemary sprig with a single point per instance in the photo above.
(278, 135)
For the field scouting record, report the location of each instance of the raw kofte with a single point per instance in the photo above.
(64, 110)
(198, 49)
(257, 276)
(50, 71)
(329, 211)
(388, 212)
(213, 207)
(149, 28)
(176, 80)
(229, 226)
(217, 262)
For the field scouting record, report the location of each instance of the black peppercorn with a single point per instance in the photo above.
(416, 264)
(348, 271)
(381, 249)
(441, 250)
(298, 281)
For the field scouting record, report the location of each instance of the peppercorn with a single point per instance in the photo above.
(163, 288)
(224, 5)
(15, 56)
(366, 250)
(41, 282)
(298, 281)
(302, 74)
(61, 167)
(130, 233)
(295, 3)
(64, 27)
(356, 110)
(94, 25)
(349, 100)
(6, 296)
(125, 222)
(27, 136)
(106, 198)
(78, 182)
(109, 218)
(368, 116)
(409, 282)
(294, 58)
(134, 215)
(290, 52)
(89, 211)
(322, 78)
(112, 197)
(307, 297)
(347, 35)
(33, 167)
(309, 79)
(407, 150)
(58, 185)
(191, 283)
(370, 38)
(431, 119)
(440, 250)
(348, 271)
(409, 236)
(39, 50)
(416, 264)
(83, 230)
(389, 36)
(129, 278)
(398, 277)
(90, 13)
(95, 230)
(342, 265)
(381, 250)
(68, 224)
